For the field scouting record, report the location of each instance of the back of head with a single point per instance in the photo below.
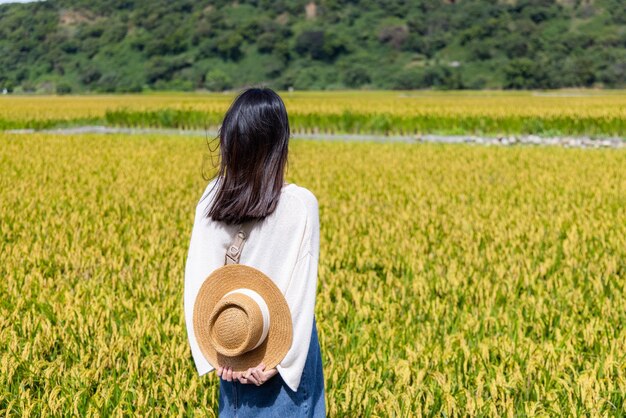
(254, 139)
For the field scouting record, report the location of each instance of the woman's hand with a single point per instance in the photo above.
(254, 375)
(257, 375)
(227, 373)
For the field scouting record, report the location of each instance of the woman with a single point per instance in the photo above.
(283, 243)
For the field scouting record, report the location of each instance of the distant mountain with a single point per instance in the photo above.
(134, 45)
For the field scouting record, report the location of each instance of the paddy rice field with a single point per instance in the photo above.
(599, 113)
(454, 279)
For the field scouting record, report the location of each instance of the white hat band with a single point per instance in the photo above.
(265, 312)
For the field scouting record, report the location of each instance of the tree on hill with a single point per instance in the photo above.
(136, 45)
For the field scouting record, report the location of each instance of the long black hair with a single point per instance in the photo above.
(253, 141)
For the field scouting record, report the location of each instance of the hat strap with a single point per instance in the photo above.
(234, 250)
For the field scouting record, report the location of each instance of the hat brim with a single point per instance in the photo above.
(279, 337)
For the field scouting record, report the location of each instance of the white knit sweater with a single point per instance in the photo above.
(284, 246)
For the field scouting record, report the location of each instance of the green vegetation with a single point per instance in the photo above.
(70, 46)
(353, 123)
(388, 124)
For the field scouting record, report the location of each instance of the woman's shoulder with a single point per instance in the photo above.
(299, 200)
(301, 195)
(207, 195)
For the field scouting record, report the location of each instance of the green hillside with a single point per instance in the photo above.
(133, 45)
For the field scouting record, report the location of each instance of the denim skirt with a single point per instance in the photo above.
(274, 398)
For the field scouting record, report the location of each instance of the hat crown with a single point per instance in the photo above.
(231, 328)
(238, 323)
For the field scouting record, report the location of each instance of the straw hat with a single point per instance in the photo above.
(241, 319)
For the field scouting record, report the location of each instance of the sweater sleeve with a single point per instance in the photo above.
(194, 276)
(301, 294)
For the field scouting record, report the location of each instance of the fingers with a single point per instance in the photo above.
(246, 378)
(227, 374)
(259, 376)
(242, 379)
(270, 373)
(254, 375)
(250, 377)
